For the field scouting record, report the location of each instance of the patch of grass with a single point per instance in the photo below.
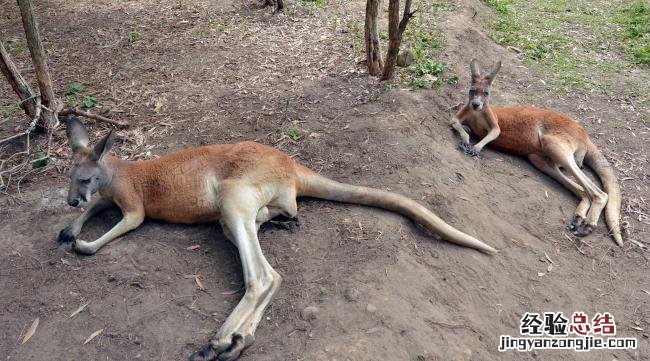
(75, 89)
(318, 3)
(428, 67)
(618, 123)
(642, 55)
(15, 47)
(635, 20)
(356, 33)
(574, 42)
(132, 36)
(501, 6)
(216, 26)
(74, 92)
(7, 111)
(40, 162)
(88, 102)
(423, 38)
(293, 133)
(635, 17)
(324, 291)
(336, 22)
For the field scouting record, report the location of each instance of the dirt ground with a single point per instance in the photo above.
(220, 71)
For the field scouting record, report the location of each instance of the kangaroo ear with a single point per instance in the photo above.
(77, 135)
(476, 71)
(104, 145)
(494, 72)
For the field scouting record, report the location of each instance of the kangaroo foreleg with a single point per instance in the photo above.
(458, 126)
(492, 134)
(129, 222)
(70, 233)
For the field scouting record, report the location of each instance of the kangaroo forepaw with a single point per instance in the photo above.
(230, 352)
(66, 236)
(468, 149)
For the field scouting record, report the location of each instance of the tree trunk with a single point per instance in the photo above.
(18, 83)
(395, 31)
(50, 120)
(373, 52)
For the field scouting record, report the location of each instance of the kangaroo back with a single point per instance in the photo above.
(314, 185)
(597, 161)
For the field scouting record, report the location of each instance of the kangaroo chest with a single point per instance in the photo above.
(478, 123)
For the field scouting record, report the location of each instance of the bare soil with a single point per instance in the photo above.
(224, 71)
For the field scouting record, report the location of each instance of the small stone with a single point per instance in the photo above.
(309, 313)
(351, 294)
(371, 308)
(302, 325)
(405, 58)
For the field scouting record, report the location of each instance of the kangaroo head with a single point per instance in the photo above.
(479, 91)
(88, 173)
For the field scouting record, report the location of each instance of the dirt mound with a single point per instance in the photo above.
(384, 288)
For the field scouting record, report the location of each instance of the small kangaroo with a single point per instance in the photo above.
(240, 185)
(551, 141)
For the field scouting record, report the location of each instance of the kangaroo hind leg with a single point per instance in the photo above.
(553, 170)
(563, 155)
(240, 208)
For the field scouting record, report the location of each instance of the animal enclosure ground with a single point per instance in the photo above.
(191, 73)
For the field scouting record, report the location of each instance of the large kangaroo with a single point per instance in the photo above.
(240, 185)
(550, 140)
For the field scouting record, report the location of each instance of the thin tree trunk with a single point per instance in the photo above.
(395, 31)
(18, 83)
(38, 57)
(373, 52)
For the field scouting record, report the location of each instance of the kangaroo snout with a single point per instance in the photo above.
(76, 199)
(476, 105)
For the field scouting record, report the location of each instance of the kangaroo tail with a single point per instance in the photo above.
(311, 184)
(597, 161)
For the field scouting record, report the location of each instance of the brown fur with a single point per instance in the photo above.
(551, 140)
(240, 185)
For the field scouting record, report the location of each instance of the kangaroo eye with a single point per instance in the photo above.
(85, 181)
(486, 93)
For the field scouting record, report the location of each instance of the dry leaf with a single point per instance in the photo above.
(94, 334)
(31, 331)
(199, 284)
(541, 274)
(81, 308)
(549, 268)
(548, 258)
(636, 328)
(193, 247)
(159, 105)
